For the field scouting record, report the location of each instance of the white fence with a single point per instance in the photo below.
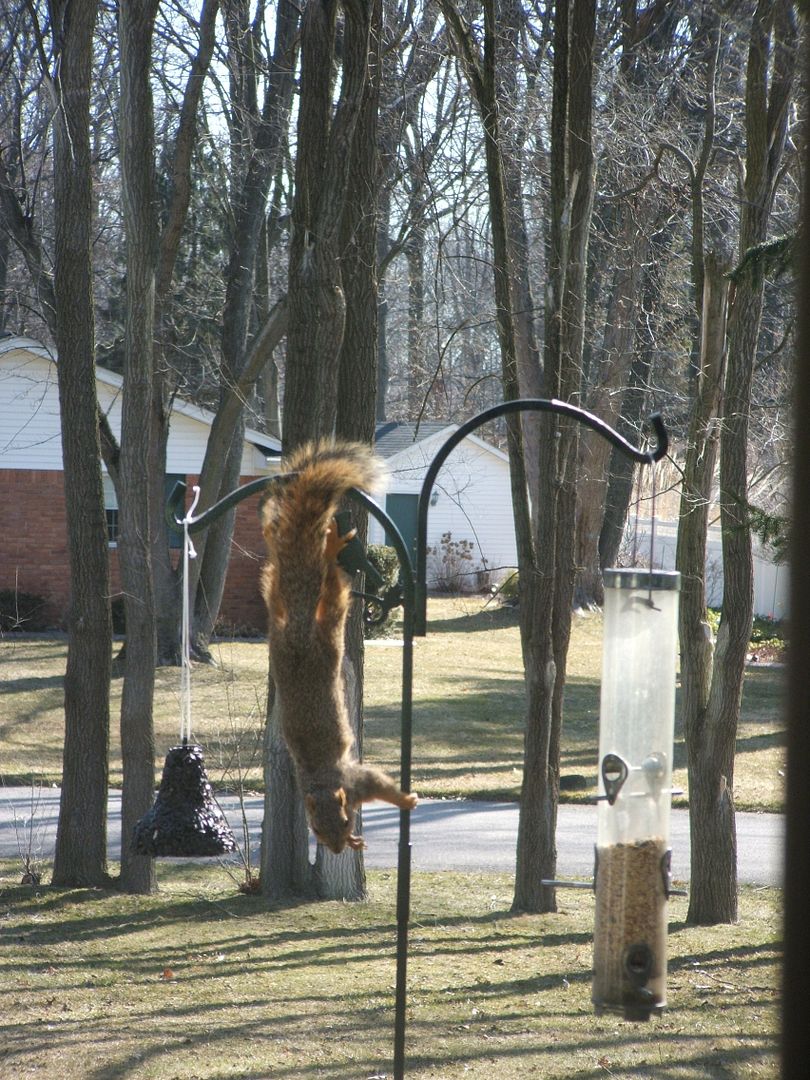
(771, 581)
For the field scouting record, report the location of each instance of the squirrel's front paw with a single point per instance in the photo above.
(409, 800)
(336, 543)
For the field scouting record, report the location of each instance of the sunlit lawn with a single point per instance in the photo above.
(200, 981)
(468, 709)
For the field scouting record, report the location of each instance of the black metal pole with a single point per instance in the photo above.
(406, 742)
(560, 408)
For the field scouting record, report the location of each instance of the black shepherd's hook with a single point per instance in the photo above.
(413, 596)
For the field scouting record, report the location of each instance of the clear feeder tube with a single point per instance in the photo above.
(636, 731)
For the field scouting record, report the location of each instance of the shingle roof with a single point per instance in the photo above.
(397, 435)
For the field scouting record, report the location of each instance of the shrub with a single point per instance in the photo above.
(385, 561)
(454, 568)
(22, 611)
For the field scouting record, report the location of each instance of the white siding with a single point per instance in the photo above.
(771, 582)
(474, 499)
(29, 413)
(30, 423)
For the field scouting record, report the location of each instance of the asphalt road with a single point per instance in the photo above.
(445, 835)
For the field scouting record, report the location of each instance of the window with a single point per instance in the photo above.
(175, 537)
(110, 510)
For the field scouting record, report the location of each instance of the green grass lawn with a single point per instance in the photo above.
(200, 981)
(468, 710)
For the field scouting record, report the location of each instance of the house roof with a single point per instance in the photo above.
(394, 437)
(12, 343)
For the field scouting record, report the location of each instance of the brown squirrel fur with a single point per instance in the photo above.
(307, 595)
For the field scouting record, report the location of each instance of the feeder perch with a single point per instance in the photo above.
(185, 821)
(354, 558)
(636, 727)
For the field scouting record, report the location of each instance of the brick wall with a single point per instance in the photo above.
(242, 606)
(34, 556)
(33, 540)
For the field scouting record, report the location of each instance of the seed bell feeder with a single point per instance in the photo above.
(636, 728)
(185, 820)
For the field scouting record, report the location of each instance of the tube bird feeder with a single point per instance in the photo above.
(636, 729)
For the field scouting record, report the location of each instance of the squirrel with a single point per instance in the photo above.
(307, 596)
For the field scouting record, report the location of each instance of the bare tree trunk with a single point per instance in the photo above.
(284, 869)
(795, 1043)
(769, 88)
(316, 296)
(511, 23)
(166, 579)
(138, 451)
(634, 405)
(545, 560)
(695, 633)
(344, 878)
(81, 838)
(256, 145)
(571, 207)
(605, 400)
(317, 319)
(417, 363)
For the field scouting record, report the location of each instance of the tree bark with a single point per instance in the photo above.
(769, 87)
(257, 142)
(795, 1043)
(695, 634)
(605, 400)
(544, 559)
(285, 872)
(81, 837)
(327, 154)
(138, 462)
(570, 213)
(316, 296)
(634, 407)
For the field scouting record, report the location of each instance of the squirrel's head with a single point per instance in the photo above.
(332, 819)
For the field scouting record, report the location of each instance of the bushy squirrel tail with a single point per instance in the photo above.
(296, 516)
(322, 472)
(325, 470)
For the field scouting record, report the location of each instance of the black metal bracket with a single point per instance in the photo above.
(413, 588)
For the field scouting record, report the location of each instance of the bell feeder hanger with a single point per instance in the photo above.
(185, 820)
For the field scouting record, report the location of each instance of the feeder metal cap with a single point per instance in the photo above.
(633, 578)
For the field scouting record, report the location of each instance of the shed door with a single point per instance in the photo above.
(402, 511)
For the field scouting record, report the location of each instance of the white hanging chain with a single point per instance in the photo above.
(185, 632)
(653, 468)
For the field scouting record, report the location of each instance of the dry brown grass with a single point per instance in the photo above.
(468, 709)
(202, 983)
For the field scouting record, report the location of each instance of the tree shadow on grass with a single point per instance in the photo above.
(520, 1024)
(492, 617)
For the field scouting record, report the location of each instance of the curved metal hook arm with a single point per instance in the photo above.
(552, 405)
(254, 487)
